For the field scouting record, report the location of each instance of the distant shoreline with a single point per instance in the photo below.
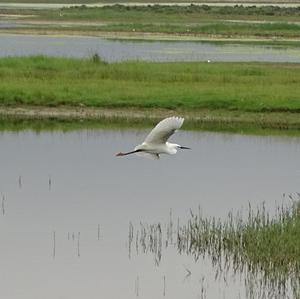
(218, 120)
(188, 23)
(29, 5)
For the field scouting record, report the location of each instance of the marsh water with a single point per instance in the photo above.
(68, 204)
(120, 50)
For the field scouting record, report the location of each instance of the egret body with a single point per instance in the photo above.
(156, 142)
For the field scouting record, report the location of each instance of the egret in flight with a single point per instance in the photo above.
(156, 142)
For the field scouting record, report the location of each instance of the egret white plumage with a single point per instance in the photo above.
(156, 142)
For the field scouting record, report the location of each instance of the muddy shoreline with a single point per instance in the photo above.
(199, 119)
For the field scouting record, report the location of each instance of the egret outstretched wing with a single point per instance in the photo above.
(164, 129)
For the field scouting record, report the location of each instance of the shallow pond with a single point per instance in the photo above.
(68, 204)
(119, 50)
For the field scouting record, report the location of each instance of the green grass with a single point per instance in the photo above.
(221, 30)
(177, 13)
(162, 14)
(276, 30)
(255, 87)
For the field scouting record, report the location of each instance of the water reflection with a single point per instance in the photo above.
(116, 50)
(68, 202)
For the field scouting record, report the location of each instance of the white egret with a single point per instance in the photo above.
(156, 142)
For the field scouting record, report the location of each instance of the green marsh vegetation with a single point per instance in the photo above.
(263, 246)
(175, 13)
(249, 87)
(229, 95)
(227, 30)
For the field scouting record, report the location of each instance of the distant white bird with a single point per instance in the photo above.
(156, 142)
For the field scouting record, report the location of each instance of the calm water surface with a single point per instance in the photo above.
(67, 202)
(116, 50)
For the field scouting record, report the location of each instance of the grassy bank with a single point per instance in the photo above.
(72, 118)
(255, 87)
(235, 95)
(217, 30)
(171, 14)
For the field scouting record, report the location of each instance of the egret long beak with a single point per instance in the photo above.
(184, 147)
